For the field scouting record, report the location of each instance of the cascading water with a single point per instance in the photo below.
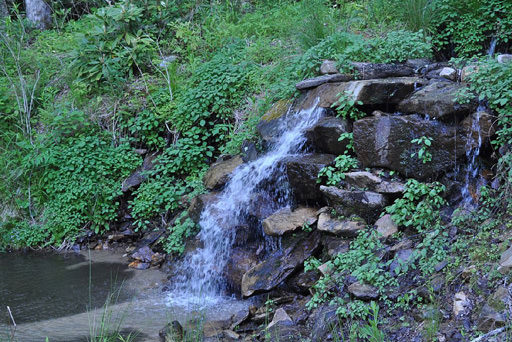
(200, 280)
(473, 145)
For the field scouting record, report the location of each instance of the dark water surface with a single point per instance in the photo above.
(40, 286)
(62, 297)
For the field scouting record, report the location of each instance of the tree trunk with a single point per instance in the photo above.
(39, 13)
(3, 9)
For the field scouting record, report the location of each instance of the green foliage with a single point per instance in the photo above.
(468, 26)
(362, 262)
(346, 107)
(82, 181)
(419, 206)
(423, 153)
(333, 175)
(114, 46)
(183, 228)
(371, 330)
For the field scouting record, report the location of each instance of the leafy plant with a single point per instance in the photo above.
(333, 175)
(346, 108)
(423, 153)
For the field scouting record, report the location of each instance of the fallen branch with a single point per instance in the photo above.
(489, 334)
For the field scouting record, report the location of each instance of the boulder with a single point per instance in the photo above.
(269, 128)
(249, 151)
(286, 220)
(302, 172)
(240, 261)
(328, 67)
(461, 304)
(363, 291)
(143, 254)
(386, 226)
(279, 265)
(365, 204)
(367, 71)
(315, 82)
(385, 141)
(327, 223)
(504, 58)
(449, 73)
(437, 100)
(335, 245)
(279, 316)
(383, 92)
(302, 282)
(198, 203)
(139, 176)
(218, 174)
(326, 132)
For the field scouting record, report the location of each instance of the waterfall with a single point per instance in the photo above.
(492, 47)
(200, 280)
(473, 146)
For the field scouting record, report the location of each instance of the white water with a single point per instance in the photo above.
(201, 281)
(472, 152)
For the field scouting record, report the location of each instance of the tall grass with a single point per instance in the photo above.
(417, 15)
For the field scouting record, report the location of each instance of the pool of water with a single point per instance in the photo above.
(62, 297)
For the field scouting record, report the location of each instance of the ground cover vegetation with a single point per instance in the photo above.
(190, 80)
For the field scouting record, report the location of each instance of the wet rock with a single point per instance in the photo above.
(139, 265)
(244, 235)
(302, 172)
(437, 100)
(449, 73)
(386, 226)
(280, 316)
(325, 134)
(328, 67)
(240, 262)
(388, 91)
(198, 203)
(172, 332)
(240, 317)
(323, 322)
(327, 223)
(418, 63)
(315, 82)
(363, 291)
(365, 204)
(461, 304)
(136, 178)
(248, 151)
(303, 281)
(385, 141)
(219, 173)
(478, 128)
(143, 254)
(504, 58)
(367, 71)
(286, 220)
(157, 259)
(278, 266)
(335, 245)
(270, 125)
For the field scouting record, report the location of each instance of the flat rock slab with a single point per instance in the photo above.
(437, 100)
(367, 71)
(315, 82)
(286, 220)
(365, 204)
(349, 228)
(387, 91)
(279, 265)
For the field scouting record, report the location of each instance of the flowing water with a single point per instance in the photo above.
(201, 280)
(473, 181)
(62, 297)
